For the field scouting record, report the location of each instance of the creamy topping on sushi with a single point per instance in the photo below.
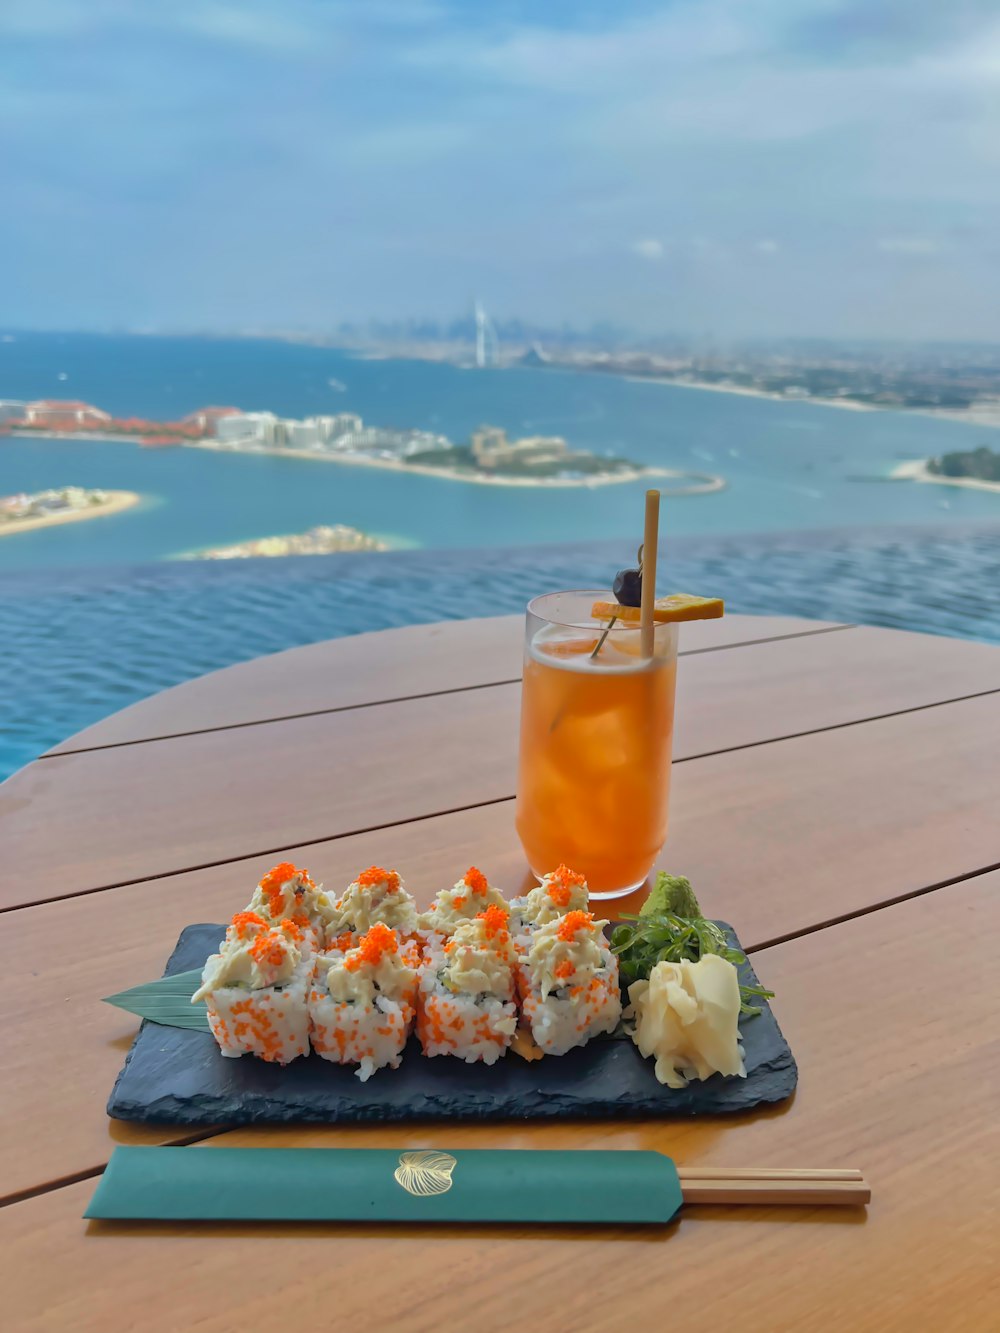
(374, 967)
(567, 952)
(288, 894)
(376, 897)
(254, 958)
(472, 895)
(245, 926)
(687, 1016)
(480, 955)
(561, 891)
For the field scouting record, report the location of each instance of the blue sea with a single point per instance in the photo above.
(96, 615)
(788, 466)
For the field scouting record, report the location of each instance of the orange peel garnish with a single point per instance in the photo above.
(677, 606)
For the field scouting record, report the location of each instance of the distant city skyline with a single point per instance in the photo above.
(723, 169)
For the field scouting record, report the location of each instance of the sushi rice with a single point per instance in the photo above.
(466, 1002)
(362, 1003)
(352, 978)
(255, 990)
(568, 983)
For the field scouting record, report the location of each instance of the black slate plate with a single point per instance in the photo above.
(177, 1076)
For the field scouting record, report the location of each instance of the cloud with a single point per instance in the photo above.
(393, 156)
(908, 245)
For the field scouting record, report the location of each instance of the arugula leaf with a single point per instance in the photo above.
(671, 929)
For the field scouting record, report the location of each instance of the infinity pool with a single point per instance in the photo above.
(79, 645)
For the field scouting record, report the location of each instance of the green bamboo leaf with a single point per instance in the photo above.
(167, 1001)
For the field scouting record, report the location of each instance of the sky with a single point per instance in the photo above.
(730, 168)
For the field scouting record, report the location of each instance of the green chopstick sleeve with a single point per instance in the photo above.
(386, 1185)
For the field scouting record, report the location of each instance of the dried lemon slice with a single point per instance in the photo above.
(678, 606)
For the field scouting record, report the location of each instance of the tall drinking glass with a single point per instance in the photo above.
(597, 722)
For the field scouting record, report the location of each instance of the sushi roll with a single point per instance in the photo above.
(466, 900)
(466, 1002)
(362, 1003)
(561, 891)
(376, 897)
(255, 990)
(568, 983)
(289, 894)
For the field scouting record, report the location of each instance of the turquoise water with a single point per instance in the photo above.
(789, 466)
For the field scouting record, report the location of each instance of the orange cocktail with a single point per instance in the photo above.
(596, 733)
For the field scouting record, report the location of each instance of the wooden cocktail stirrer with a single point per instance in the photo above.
(650, 538)
(649, 544)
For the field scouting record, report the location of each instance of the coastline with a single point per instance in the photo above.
(692, 483)
(112, 438)
(117, 503)
(700, 483)
(916, 470)
(849, 404)
(982, 412)
(979, 414)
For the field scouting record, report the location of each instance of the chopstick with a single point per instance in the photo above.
(791, 1186)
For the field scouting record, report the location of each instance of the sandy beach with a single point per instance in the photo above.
(116, 503)
(844, 403)
(986, 413)
(917, 470)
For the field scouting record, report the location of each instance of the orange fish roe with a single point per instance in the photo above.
(244, 923)
(292, 929)
(343, 941)
(564, 970)
(572, 923)
(561, 883)
(268, 947)
(563, 875)
(495, 922)
(271, 884)
(376, 875)
(274, 879)
(475, 880)
(371, 947)
(458, 901)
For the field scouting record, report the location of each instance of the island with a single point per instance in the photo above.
(978, 464)
(317, 541)
(67, 504)
(532, 459)
(977, 469)
(489, 457)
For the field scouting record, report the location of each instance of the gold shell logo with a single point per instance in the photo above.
(425, 1173)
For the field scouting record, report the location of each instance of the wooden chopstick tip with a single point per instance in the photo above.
(768, 1186)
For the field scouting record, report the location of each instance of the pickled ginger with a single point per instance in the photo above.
(686, 1017)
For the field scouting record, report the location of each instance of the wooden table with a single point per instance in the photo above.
(835, 797)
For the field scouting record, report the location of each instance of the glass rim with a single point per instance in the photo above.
(594, 594)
